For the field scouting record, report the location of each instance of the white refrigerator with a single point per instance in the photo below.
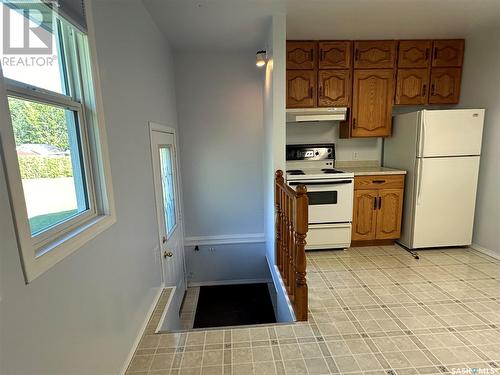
(440, 150)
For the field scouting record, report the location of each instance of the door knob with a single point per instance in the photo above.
(167, 254)
(164, 239)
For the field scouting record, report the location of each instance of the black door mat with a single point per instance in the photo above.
(233, 305)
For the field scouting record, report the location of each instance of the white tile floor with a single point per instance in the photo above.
(372, 311)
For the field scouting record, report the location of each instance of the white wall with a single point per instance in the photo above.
(346, 149)
(481, 89)
(83, 315)
(274, 150)
(219, 96)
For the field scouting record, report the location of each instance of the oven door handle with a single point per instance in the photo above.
(336, 182)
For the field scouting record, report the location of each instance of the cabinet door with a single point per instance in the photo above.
(372, 103)
(414, 53)
(445, 85)
(335, 55)
(412, 86)
(390, 209)
(448, 53)
(301, 55)
(334, 88)
(364, 218)
(374, 54)
(301, 88)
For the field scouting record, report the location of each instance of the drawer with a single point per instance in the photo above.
(379, 182)
(328, 236)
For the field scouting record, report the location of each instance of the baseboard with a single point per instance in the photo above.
(225, 239)
(486, 251)
(278, 283)
(141, 331)
(229, 282)
(165, 309)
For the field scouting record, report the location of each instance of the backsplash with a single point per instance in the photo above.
(328, 132)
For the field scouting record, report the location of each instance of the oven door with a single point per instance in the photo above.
(330, 201)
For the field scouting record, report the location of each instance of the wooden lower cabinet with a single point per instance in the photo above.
(390, 209)
(378, 208)
(364, 220)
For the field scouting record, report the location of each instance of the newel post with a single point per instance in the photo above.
(301, 226)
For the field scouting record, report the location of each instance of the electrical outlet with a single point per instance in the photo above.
(211, 249)
(355, 155)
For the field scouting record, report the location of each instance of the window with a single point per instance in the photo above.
(54, 145)
(167, 182)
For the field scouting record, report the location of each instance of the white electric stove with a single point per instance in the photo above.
(330, 192)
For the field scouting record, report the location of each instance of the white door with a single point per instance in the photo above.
(457, 132)
(167, 194)
(445, 201)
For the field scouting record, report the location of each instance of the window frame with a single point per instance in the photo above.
(41, 251)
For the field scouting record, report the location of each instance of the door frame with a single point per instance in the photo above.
(153, 126)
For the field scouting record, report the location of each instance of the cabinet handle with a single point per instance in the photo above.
(424, 90)
(356, 54)
(375, 203)
(321, 54)
(427, 53)
(321, 91)
(433, 89)
(310, 92)
(311, 55)
(353, 123)
(379, 203)
(435, 53)
(378, 181)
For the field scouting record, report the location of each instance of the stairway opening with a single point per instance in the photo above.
(227, 306)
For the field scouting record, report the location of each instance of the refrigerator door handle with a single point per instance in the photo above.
(420, 162)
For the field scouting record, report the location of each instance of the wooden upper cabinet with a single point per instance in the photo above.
(335, 55)
(448, 53)
(412, 86)
(372, 103)
(334, 88)
(374, 54)
(301, 88)
(364, 220)
(414, 53)
(390, 209)
(445, 85)
(301, 55)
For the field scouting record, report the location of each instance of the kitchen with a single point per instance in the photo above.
(368, 175)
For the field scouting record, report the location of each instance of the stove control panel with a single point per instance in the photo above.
(311, 152)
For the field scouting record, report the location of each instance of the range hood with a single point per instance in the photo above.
(316, 114)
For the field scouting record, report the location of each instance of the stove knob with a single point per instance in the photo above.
(317, 153)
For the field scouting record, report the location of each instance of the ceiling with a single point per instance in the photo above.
(242, 24)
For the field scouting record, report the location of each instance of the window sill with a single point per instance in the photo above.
(50, 255)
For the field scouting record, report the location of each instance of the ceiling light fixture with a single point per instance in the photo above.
(261, 58)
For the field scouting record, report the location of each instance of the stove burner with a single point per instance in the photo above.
(327, 171)
(295, 172)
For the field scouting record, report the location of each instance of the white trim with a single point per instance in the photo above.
(491, 253)
(166, 308)
(225, 239)
(231, 282)
(278, 281)
(142, 329)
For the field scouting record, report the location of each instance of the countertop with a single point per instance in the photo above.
(371, 170)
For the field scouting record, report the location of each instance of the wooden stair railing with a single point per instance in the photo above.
(291, 232)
